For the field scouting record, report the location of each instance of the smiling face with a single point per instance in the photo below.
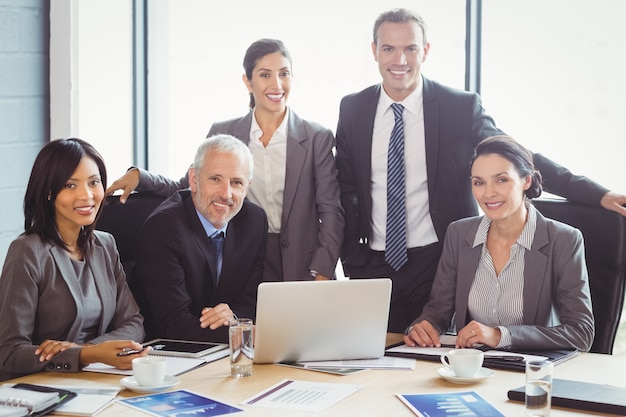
(270, 83)
(498, 187)
(400, 52)
(78, 202)
(219, 187)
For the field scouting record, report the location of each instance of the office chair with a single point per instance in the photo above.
(604, 233)
(123, 221)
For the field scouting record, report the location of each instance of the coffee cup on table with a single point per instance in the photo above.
(465, 363)
(149, 371)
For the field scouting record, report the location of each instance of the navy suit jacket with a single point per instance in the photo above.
(312, 219)
(454, 123)
(173, 278)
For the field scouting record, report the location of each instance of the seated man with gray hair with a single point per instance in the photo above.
(199, 256)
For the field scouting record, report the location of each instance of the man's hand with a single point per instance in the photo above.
(127, 183)
(214, 317)
(320, 277)
(614, 202)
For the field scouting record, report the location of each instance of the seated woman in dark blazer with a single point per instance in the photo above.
(64, 300)
(512, 279)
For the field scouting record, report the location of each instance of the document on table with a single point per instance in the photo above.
(419, 351)
(89, 400)
(386, 362)
(302, 395)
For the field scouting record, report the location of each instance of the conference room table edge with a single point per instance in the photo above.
(378, 393)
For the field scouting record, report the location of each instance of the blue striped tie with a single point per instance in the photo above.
(395, 244)
(217, 240)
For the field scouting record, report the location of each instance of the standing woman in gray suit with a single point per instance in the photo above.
(512, 279)
(295, 178)
(64, 301)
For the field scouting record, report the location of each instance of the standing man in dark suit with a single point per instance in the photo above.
(440, 127)
(189, 288)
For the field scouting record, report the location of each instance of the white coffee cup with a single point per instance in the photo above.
(149, 371)
(465, 363)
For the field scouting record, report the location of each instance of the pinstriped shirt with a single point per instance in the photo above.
(497, 300)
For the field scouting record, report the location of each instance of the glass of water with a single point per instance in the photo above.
(241, 345)
(538, 388)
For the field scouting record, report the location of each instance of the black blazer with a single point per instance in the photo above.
(173, 278)
(454, 123)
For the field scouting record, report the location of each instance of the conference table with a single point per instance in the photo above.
(377, 397)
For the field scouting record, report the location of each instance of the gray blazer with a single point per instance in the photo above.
(557, 301)
(41, 299)
(312, 220)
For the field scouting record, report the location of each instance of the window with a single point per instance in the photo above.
(196, 52)
(552, 79)
(91, 77)
(550, 75)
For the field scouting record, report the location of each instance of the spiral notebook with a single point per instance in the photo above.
(31, 400)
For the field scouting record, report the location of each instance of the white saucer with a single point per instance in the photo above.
(131, 383)
(448, 375)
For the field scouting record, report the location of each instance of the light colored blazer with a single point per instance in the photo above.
(312, 220)
(41, 299)
(557, 301)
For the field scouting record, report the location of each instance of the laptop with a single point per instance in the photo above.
(299, 321)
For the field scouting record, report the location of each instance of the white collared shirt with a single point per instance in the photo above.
(268, 183)
(420, 228)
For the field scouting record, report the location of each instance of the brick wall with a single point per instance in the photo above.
(24, 105)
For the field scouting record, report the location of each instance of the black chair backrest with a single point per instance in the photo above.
(123, 221)
(604, 233)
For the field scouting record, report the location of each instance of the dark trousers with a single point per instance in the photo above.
(273, 259)
(410, 285)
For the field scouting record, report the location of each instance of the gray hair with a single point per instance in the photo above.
(400, 16)
(224, 144)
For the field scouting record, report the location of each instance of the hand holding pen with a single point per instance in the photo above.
(130, 351)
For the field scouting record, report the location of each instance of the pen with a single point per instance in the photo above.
(128, 351)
